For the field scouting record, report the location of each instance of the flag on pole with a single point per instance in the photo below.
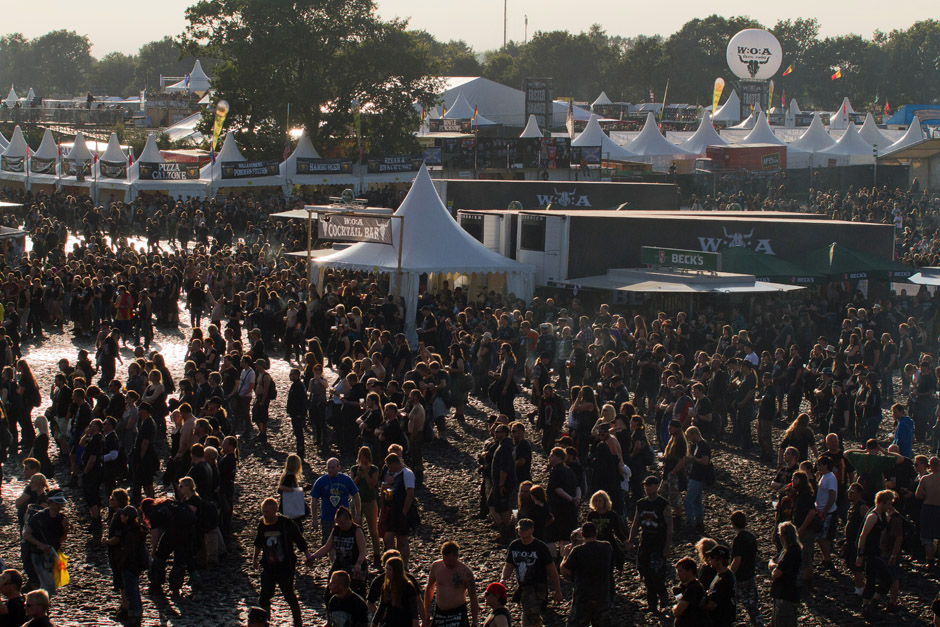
(221, 110)
(186, 84)
(443, 110)
(783, 97)
(886, 106)
(652, 99)
(569, 119)
(473, 120)
(716, 94)
(286, 150)
(770, 95)
(789, 70)
(837, 74)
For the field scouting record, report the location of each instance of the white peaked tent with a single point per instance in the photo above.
(305, 150)
(432, 243)
(652, 147)
(914, 135)
(594, 135)
(108, 178)
(531, 129)
(78, 156)
(14, 162)
(730, 111)
(47, 151)
(212, 172)
(762, 133)
(12, 98)
(30, 96)
(850, 149)
(151, 154)
(792, 111)
(870, 133)
(500, 103)
(801, 153)
(602, 100)
(4, 142)
(751, 120)
(198, 81)
(705, 136)
(839, 119)
(461, 110)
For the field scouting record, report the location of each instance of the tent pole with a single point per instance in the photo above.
(401, 243)
(309, 250)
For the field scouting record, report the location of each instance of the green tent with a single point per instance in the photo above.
(743, 260)
(841, 263)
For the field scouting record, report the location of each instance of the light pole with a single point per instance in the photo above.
(505, 14)
(874, 177)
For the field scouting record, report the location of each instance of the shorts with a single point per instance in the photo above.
(500, 503)
(809, 546)
(455, 617)
(259, 413)
(830, 522)
(850, 553)
(533, 599)
(398, 524)
(91, 490)
(930, 522)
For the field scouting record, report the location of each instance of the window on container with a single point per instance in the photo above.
(532, 233)
(473, 225)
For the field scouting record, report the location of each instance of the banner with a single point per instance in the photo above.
(38, 165)
(349, 228)
(221, 110)
(590, 155)
(402, 163)
(112, 169)
(71, 168)
(324, 166)
(440, 125)
(168, 171)
(249, 169)
(433, 156)
(13, 164)
(539, 96)
(770, 96)
(716, 95)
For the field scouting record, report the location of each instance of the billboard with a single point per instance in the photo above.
(339, 227)
(539, 96)
(168, 171)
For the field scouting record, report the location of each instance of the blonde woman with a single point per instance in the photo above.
(366, 476)
(290, 488)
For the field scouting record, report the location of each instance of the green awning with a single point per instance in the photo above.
(841, 263)
(766, 267)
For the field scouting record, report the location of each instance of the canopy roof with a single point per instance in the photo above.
(926, 276)
(500, 103)
(849, 145)
(731, 110)
(17, 147)
(4, 142)
(304, 150)
(666, 281)
(594, 135)
(764, 267)
(30, 95)
(650, 142)
(870, 133)
(198, 81)
(461, 110)
(795, 108)
(150, 153)
(762, 133)
(229, 150)
(839, 118)
(602, 100)
(12, 98)
(531, 129)
(815, 138)
(47, 148)
(79, 150)
(914, 134)
(432, 241)
(706, 135)
(113, 152)
(838, 262)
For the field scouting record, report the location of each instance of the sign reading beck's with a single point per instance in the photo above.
(677, 258)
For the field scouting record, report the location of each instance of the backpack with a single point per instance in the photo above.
(272, 389)
(911, 544)
(208, 516)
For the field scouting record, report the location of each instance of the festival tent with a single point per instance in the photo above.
(761, 133)
(212, 173)
(12, 98)
(305, 150)
(196, 82)
(652, 147)
(850, 149)
(30, 96)
(531, 129)
(815, 138)
(4, 142)
(112, 172)
(914, 134)
(601, 101)
(792, 111)
(705, 136)
(44, 163)
(461, 110)
(175, 188)
(500, 103)
(79, 158)
(594, 135)
(839, 119)
(427, 240)
(730, 111)
(836, 262)
(742, 260)
(13, 164)
(870, 133)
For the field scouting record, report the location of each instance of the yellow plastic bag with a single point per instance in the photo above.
(60, 572)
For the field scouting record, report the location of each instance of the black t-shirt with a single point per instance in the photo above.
(530, 561)
(838, 406)
(703, 407)
(47, 529)
(590, 564)
(768, 404)
(349, 611)
(694, 615)
(94, 447)
(16, 613)
(523, 451)
(699, 472)
(375, 588)
(745, 546)
(561, 477)
(146, 433)
(652, 521)
(787, 587)
(721, 593)
(504, 461)
(277, 542)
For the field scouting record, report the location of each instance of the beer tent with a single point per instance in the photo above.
(13, 162)
(601, 101)
(305, 150)
(792, 111)
(914, 134)
(870, 133)
(195, 188)
(111, 171)
(650, 146)
(705, 136)
(216, 178)
(196, 82)
(850, 149)
(44, 163)
(76, 169)
(742, 260)
(729, 112)
(839, 119)
(461, 110)
(761, 133)
(12, 98)
(432, 243)
(812, 141)
(841, 263)
(594, 135)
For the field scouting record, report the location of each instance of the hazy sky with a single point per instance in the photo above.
(124, 26)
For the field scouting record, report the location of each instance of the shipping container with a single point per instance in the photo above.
(751, 157)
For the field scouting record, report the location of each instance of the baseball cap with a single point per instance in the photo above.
(145, 407)
(497, 589)
(57, 496)
(650, 480)
(720, 551)
(525, 523)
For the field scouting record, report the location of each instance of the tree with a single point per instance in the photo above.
(455, 58)
(114, 74)
(319, 56)
(60, 61)
(14, 51)
(164, 57)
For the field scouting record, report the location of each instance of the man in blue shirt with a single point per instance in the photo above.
(903, 431)
(330, 492)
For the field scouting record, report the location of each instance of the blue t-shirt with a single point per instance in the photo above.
(333, 492)
(904, 436)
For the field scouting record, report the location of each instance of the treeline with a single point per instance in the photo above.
(901, 65)
(60, 64)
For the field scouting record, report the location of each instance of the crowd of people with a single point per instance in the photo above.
(639, 418)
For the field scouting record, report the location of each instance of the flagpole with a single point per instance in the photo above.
(662, 115)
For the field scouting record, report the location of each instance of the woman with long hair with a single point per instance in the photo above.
(290, 483)
(399, 600)
(674, 474)
(785, 573)
(461, 381)
(610, 528)
(366, 476)
(532, 503)
(29, 391)
(586, 414)
(799, 435)
(40, 448)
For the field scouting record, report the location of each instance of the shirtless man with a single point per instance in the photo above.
(416, 418)
(454, 582)
(928, 491)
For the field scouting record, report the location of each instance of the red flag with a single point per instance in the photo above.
(286, 150)
(783, 98)
(837, 74)
(886, 106)
(788, 70)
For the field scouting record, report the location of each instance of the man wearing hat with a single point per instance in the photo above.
(653, 524)
(720, 601)
(589, 565)
(496, 597)
(45, 531)
(532, 562)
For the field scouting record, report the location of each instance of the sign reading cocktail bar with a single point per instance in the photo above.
(339, 227)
